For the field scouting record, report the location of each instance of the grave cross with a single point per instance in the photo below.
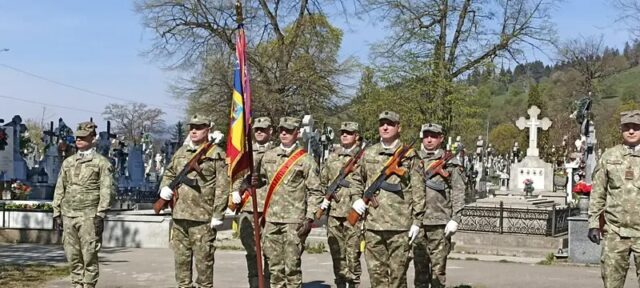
(533, 124)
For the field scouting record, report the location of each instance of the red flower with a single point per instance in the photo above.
(582, 188)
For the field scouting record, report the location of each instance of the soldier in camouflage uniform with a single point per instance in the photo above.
(262, 134)
(83, 194)
(444, 201)
(616, 195)
(199, 208)
(344, 239)
(289, 215)
(391, 227)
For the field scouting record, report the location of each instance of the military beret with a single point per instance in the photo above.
(350, 126)
(632, 116)
(432, 127)
(262, 122)
(86, 128)
(389, 115)
(197, 119)
(289, 122)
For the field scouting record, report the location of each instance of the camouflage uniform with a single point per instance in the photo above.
(387, 245)
(84, 191)
(191, 233)
(344, 239)
(444, 201)
(292, 203)
(245, 219)
(616, 193)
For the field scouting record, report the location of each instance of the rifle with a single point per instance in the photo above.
(331, 193)
(192, 165)
(437, 167)
(391, 167)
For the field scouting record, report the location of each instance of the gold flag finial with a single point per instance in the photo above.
(239, 18)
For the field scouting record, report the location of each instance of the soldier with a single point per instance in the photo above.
(294, 188)
(444, 201)
(394, 224)
(82, 197)
(344, 239)
(262, 131)
(199, 208)
(615, 201)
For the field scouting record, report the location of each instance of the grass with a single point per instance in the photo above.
(318, 248)
(550, 259)
(29, 275)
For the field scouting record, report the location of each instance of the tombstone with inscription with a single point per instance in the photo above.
(12, 163)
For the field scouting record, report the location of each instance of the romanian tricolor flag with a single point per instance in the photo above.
(239, 154)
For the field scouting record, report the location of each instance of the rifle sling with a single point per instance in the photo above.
(282, 171)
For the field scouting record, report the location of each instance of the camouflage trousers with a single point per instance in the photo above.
(189, 240)
(81, 246)
(387, 254)
(283, 250)
(614, 260)
(344, 245)
(245, 224)
(430, 251)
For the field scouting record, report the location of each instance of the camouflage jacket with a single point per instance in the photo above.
(397, 210)
(298, 194)
(347, 195)
(85, 187)
(261, 193)
(616, 191)
(209, 198)
(443, 204)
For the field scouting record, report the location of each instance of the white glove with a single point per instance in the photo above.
(325, 204)
(413, 233)
(166, 193)
(359, 206)
(451, 228)
(215, 223)
(235, 197)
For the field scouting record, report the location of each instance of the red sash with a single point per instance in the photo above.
(282, 171)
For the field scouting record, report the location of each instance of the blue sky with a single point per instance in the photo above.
(97, 45)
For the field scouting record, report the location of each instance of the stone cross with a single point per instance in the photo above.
(533, 124)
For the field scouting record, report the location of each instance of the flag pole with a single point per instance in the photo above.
(249, 142)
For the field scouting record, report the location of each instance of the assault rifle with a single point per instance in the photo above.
(391, 167)
(437, 167)
(192, 165)
(331, 193)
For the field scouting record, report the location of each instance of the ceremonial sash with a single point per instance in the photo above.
(281, 173)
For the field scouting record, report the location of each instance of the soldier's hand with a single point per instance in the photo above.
(413, 233)
(594, 235)
(325, 204)
(451, 228)
(216, 223)
(57, 223)
(304, 228)
(166, 193)
(98, 223)
(255, 180)
(235, 197)
(359, 206)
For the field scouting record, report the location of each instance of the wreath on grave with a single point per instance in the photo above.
(3, 139)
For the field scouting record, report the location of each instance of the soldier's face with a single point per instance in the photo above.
(288, 136)
(348, 138)
(262, 135)
(388, 130)
(431, 140)
(631, 133)
(198, 133)
(84, 143)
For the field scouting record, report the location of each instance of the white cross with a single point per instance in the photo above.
(533, 124)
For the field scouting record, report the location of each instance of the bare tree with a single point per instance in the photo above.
(133, 119)
(586, 56)
(439, 40)
(629, 14)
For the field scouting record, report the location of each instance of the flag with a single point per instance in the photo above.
(239, 154)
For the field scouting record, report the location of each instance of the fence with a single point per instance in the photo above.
(547, 222)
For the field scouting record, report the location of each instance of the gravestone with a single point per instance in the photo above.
(6, 153)
(532, 167)
(135, 167)
(14, 165)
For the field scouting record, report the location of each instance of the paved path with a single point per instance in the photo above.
(136, 267)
